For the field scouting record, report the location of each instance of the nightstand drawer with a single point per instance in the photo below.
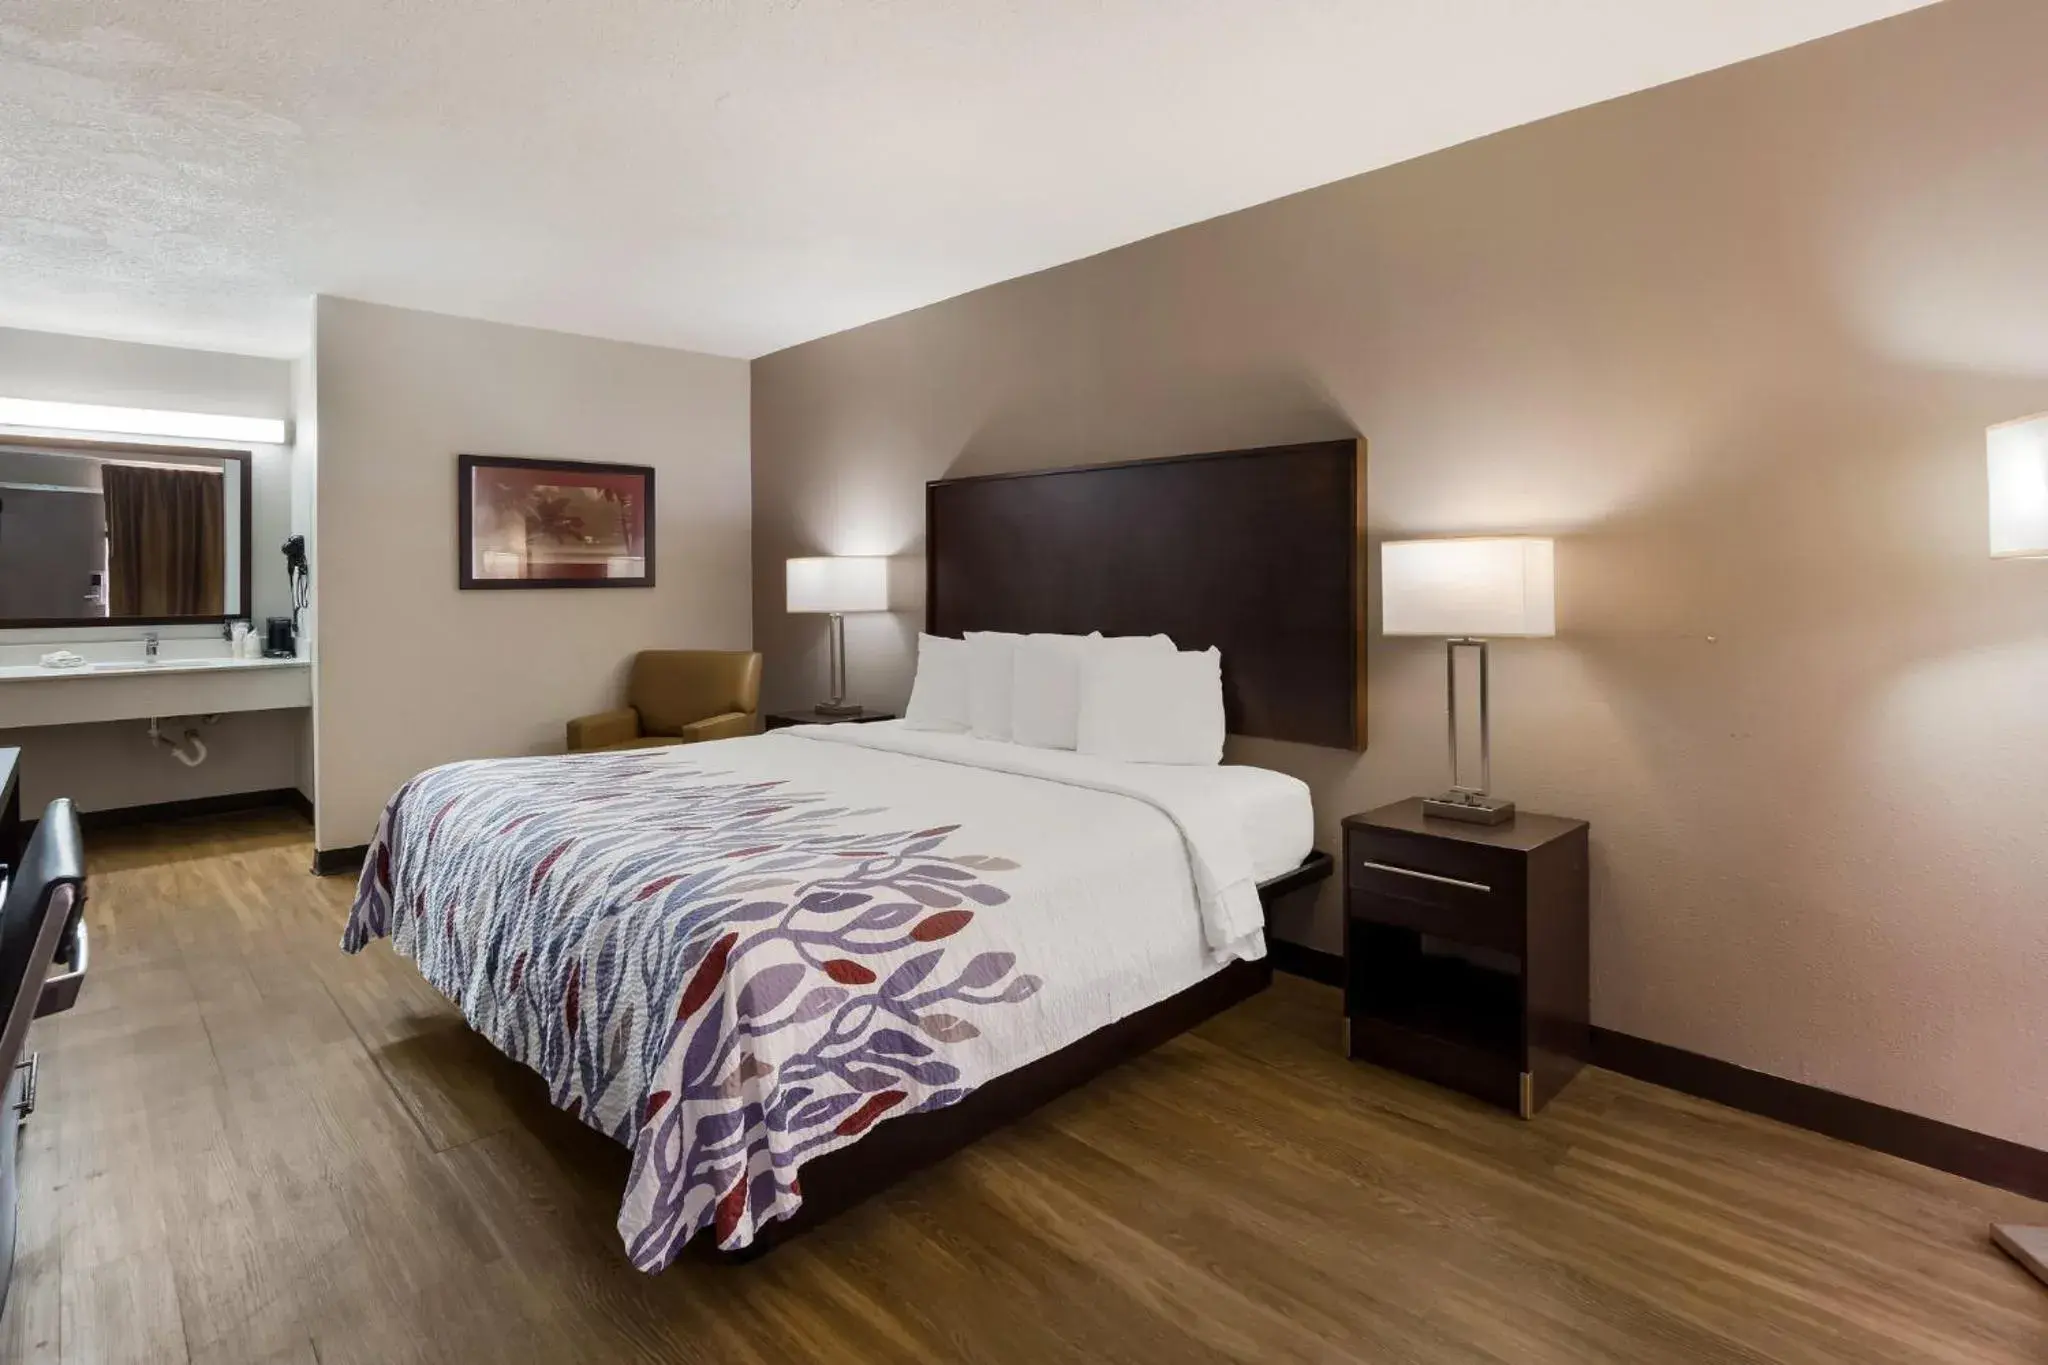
(1462, 909)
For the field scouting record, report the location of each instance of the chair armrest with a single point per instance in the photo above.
(604, 729)
(731, 725)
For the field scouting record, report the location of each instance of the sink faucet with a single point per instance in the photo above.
(149, 645)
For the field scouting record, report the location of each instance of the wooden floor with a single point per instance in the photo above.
(252, 1148)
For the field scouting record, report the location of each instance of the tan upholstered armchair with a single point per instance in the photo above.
(678, 696)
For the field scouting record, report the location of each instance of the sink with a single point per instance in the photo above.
(144, 666)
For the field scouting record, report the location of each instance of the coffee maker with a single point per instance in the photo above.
(280, 640)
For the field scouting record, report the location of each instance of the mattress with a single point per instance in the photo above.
(1272, 811)
(1278, 817)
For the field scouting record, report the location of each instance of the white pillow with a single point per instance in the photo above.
(1150, 706)
(991, 679)
(1045, 692)
(938, 695)
(1045, 701)
(1162, 643)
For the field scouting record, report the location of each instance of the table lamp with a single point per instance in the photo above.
(1469, 591)
(835, 585)
(2017, 456)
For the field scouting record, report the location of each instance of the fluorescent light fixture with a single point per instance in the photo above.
(105, 421)
(2017, 453)
(1468, 589)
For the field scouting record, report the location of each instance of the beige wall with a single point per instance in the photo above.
(409, 671)
(1735, 341)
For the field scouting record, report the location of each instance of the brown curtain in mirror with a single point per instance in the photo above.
(166, 542)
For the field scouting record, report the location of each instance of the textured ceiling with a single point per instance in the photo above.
(731, 176)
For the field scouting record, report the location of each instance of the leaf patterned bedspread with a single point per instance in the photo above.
(733, 957)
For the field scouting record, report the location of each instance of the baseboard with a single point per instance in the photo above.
(336, 862)
(1298, 959)
(1930, 1142)
(230, 803)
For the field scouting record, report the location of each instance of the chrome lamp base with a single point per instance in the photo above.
(1469, 804)
(836, 644)
(1474, 808)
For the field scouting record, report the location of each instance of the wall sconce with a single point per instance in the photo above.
(2016, 454)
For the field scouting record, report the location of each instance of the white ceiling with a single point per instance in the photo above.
(731, 176)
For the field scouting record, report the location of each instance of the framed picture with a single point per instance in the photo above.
(554, 523)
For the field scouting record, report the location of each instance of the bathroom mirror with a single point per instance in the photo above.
(94, 534)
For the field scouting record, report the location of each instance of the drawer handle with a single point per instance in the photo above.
(1481, 887)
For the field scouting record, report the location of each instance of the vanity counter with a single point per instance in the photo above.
(138, 689)
(115, 668)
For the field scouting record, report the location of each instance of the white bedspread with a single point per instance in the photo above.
(736, 956)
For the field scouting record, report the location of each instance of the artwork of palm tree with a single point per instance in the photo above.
(627, 525)
(567, 522)
(548, 517)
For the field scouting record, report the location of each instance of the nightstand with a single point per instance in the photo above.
(1465, 953)
(775, 720)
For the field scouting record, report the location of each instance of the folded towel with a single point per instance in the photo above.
(62, 658)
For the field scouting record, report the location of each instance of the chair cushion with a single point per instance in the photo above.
(670, 688)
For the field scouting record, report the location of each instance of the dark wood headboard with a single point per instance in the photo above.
(1260, 553)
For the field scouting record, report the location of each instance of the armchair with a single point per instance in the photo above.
(678, 696)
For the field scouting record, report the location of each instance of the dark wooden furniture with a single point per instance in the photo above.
(1259, 553)
(1465, 951)
(776, 720)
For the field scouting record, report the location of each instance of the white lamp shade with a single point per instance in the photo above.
(2018, 455)
(839, 583)
(1478, 589)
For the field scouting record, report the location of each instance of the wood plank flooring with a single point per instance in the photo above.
(252, 1148)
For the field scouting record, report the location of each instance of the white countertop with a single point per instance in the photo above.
(114, 668)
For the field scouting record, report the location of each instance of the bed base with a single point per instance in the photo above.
(902, 1146)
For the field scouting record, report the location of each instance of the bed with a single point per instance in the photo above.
(787, 969)
(736, 958)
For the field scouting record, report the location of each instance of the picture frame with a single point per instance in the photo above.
(548, 523)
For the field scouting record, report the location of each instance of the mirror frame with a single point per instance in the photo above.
(238, 459)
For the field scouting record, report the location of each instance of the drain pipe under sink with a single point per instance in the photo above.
(191, 760)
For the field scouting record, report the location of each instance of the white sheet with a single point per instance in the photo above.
(1241, 825)
(1275, 811)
